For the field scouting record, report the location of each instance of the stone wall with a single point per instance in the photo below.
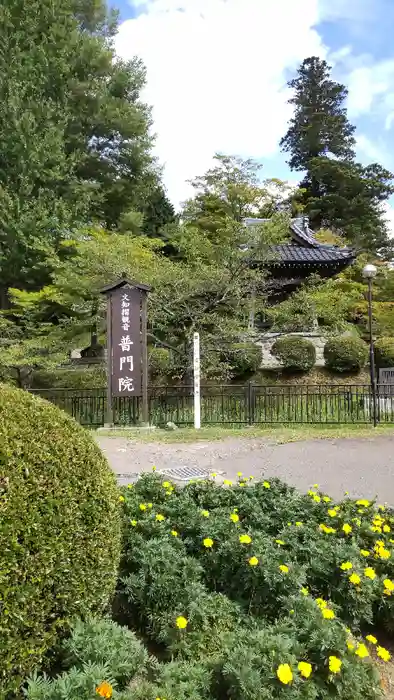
(267, 340)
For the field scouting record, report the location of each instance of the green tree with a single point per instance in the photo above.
(74, 135)
(158, 213)
(338, 193)
(319, 126)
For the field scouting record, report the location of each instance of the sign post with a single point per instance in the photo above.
(196, 375)
(127, 356)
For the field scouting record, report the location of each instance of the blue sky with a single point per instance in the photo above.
(217, 72)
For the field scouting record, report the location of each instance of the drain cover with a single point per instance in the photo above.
(185, 473)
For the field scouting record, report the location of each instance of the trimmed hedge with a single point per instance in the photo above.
(345, 354)
(59, 530)
(384, 352)
(244, 358)
(295, 353)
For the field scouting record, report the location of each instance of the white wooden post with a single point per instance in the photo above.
(196, 375)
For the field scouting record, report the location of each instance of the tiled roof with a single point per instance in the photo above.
(305, 249)
(296, 254)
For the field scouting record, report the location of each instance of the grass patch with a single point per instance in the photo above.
(279, 434)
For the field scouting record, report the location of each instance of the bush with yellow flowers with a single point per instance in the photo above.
(248, 590)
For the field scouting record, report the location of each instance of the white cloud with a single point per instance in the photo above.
(388, 215)
(371, 89)
(217, 76)
(370, 151)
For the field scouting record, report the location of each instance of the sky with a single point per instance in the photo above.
(217, 73)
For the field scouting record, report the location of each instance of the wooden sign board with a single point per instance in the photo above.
(126, 376)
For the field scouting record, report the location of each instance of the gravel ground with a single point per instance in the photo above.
(363, 467)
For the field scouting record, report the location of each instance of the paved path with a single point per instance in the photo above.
(364, 467)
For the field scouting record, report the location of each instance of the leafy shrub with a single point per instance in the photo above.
(243, 358)
(384, 352)
(59, 529)
(78, 378)
(345, 354)
(159, 361)
(295, 353)
(103, 642)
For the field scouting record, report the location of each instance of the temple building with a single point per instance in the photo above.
(289, 264)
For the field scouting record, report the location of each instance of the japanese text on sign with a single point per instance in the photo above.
(126, 342)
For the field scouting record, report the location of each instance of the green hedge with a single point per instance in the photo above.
(59, 530)
(244, 358)
(384, 352)
(295, 353)
(345, 354)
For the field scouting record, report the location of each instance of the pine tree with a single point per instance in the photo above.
(319, 126)
(338, 192)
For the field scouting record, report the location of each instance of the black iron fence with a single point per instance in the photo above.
(232, 405)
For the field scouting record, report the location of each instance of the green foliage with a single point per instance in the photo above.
(384, 352)
(318, 102)
(295, 353)
(337, 192)
(159, 361)
(103, 642)
(243, 358)
(345, 354)
(78, 378)
(59, 529)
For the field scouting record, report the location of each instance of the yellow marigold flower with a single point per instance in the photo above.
(383, 653)
(334, 664)
(362, 502)
(133, 523)
(205, 513)
(227, 482)
(370, 638)
(305, 669)
(284, 673)
(160, 518)
(384, 553)
(208, 542)
(347, 528)
(181, 622)
(304, 591)
(153, 468)
(388, 584)
(375, 528)
(386, 592)
(354, 578)
(174, 533)
(346, 566)
(386, 528)
(245, 539)
(284, 569)
(362, 651)
(130, 486)
(364, 552)
(392, 541)
(234, 517)
(253, 561)
(150, 506)
(239, 473)
(327, 499)
(241, 484)
(328, 614)
(332, 512)
(298, 523)
(280, 542)
(350, 645)
(213, 475)
(315, 486)
(104, 690)
(122, 499)
(321, 603)
(369, 572)
(311, 493)
(166, 484)
(316, 498)
(142, 506)
(380, 507)
(266, 484)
